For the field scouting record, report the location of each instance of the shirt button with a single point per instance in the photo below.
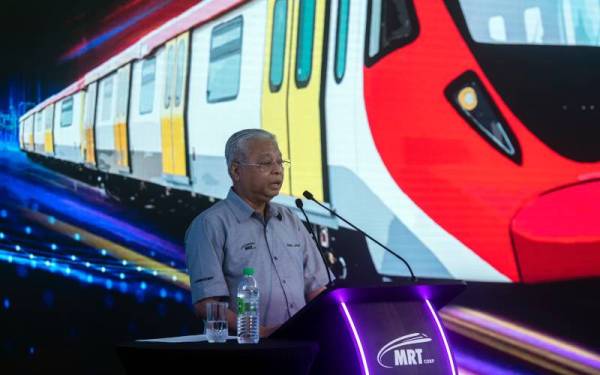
(283, 281)
(275, 258)
(291, 306)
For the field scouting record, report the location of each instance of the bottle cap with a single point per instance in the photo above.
(248, 271)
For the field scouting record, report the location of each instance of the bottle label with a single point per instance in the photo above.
(244, 306)
(240, 305)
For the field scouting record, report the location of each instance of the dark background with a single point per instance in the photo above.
(50, 323)
(50, 44)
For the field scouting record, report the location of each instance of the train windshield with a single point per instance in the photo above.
(541, 22)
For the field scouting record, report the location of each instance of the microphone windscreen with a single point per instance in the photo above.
(299, 203)
(308, 195)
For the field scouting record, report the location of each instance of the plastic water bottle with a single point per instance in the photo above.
(247, 309)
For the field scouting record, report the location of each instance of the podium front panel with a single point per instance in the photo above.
(376, 329)
(392, 338)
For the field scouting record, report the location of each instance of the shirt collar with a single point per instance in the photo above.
(242, 210)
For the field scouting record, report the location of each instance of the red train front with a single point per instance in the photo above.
(490, 122)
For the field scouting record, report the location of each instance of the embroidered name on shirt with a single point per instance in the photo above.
(292, 244)
(249, 246)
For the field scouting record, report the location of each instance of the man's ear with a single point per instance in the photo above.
(234, 172)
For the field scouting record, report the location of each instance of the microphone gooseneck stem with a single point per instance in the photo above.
(300, 205)
(309, 196)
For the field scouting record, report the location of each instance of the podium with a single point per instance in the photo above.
(379, 329)
(348, 329)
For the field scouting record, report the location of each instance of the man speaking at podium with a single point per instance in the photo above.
(247, 230)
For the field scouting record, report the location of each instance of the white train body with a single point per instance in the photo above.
(155, 114)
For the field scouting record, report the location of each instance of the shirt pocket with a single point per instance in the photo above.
(294, 251)
(241, 253)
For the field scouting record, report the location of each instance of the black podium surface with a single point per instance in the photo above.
(269, 356)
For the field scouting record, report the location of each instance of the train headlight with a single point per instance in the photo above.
(467, 98)
(470, 99)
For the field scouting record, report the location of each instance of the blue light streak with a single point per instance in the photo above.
(77, 211)
(94, 274)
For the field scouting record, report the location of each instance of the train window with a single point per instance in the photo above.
(89, 108)
(181, 55)
(38, 122)
(66, 115)
(341, 42)
(391, 24)
(170, 57)
(225, 61)
(147, 85)
(304, 47)
(558, 23)
(278, 45)
(123, 92)
(107, 88)
(48, 117)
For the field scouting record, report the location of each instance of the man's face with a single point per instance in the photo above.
(258, 183)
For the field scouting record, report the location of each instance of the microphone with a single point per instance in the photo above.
(300, 205)
(307, 194)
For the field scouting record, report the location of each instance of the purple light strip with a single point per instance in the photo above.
(441, 329)
(357, 341)
(527, 336)
(469, 364)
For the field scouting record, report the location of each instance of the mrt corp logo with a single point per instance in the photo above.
(405, 351)
(400, 337)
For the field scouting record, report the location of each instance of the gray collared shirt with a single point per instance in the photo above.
(230, 236)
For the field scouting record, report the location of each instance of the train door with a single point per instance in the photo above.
(293, 91)
(49, 130)
(88, 142)
(173, 126)
(120, 130)
(39, 132)
(30, 139)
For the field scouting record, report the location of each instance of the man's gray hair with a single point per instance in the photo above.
(235, 148)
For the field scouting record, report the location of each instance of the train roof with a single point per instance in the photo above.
(197, 15)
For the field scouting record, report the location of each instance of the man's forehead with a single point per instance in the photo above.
(264, 142)
(263, 147)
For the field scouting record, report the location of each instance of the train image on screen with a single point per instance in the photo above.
(465, 136)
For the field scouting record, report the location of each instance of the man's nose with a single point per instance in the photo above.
(277, 169)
